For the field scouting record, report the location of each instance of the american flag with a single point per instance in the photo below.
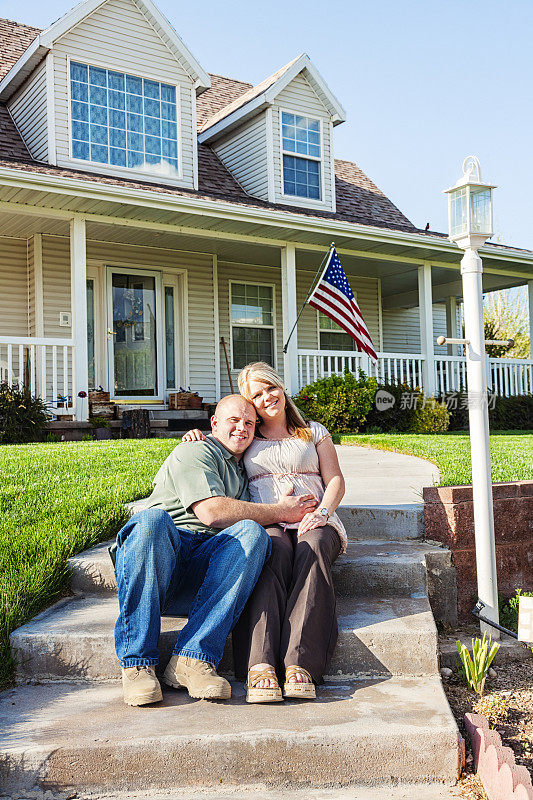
(333, 296)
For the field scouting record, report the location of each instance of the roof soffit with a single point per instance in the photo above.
(264, 95)
(44, 42)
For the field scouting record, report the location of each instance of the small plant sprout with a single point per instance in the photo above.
(476, 666)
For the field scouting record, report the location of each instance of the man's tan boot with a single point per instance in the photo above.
(198, 677)
(140, 686)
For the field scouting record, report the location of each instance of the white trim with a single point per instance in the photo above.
(380, 316)
(216, 324)
(194, 141)
(112, 169)
(50, 109)
(332, 170)
(227, 210)
(425, 308)
(289, 305)
(292, 199)
(174, 280)
(78, 302)
(530, 305)
(38, 284)
(269, 131)
(272, 327)
(160, 334)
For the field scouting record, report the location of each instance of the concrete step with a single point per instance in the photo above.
(383, 522)
(187, 414)
(424, 791)
(73, 640)
(382, 731)
(368, 568)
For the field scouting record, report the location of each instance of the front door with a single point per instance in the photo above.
(134, 334)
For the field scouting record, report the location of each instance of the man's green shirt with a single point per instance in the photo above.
(195, 471)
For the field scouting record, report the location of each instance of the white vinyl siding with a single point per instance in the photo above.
(366, 291)
(401, 329)
(28, 109)
(117, 36)
(300, 98)
(243, 273)
(244, 153)
(14, 288)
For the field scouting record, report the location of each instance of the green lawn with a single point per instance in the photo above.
(59, 499)
(511, 452)
(55, 500)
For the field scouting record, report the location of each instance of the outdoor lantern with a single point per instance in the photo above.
(470, 207)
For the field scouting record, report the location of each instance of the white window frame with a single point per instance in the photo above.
(293, 198)
(111, 169)
(329, 330)
(241, 325)
(177, 281)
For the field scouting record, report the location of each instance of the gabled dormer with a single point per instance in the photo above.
(276, 138)
(110, 88)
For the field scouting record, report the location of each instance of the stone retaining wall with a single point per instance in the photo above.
(449, 518)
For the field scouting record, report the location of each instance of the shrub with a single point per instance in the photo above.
(475, 667)
(409, 413)
(429, 416)
(505, 413)
(339, 403)
(22, 417)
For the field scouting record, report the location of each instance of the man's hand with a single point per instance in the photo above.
(294, 508)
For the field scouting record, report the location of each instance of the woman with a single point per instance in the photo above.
(289, 621)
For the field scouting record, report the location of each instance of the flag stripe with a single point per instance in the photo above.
(333, 296)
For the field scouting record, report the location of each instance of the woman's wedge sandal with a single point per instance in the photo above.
(255, 694)
(302, 691)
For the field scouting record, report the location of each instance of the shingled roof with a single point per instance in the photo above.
(358, 199)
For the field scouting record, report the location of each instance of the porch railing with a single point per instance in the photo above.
(43, 365)
(505, 376)
(390, 367)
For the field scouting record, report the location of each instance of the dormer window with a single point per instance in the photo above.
(123, 120)
(301, 148)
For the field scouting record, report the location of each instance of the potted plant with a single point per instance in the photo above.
(101, 427)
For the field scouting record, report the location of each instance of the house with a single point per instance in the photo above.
(160, 226)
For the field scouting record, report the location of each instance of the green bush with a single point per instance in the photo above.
(429, 416)
(339, 403)
(396, 417)
(505, 413)
(22, 417)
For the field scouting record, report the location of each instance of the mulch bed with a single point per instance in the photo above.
(507, 703)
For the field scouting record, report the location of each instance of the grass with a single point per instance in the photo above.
(56, 500)
(511, 452)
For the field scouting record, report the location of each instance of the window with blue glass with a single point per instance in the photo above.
(121, 119)
(301, 156)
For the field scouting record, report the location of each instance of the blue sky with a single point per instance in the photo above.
(424, 83)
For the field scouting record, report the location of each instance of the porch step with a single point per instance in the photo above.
(380, 731)
(383, 521)
(379, 568)
(188, 414)
(73, 640)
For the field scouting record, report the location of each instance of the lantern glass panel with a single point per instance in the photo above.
(458, 211)
(480, 210)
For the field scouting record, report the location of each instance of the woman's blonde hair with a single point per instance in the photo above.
(264, 373)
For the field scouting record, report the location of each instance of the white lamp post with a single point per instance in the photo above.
(470, 224)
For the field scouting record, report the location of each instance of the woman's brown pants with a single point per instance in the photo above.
(290, 617)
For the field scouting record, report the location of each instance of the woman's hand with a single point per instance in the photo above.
(311, 520)
(193, 436)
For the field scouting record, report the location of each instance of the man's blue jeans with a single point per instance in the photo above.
(162, 569)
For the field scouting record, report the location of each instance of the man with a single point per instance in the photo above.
(196, 550)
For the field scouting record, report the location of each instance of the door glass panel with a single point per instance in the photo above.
(90, 333)
(134, 342)
(169, 338)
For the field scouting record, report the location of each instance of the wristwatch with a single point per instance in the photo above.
(324, 512)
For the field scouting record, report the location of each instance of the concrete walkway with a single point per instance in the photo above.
(381, 478)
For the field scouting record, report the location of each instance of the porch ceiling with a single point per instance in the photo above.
(247, 235)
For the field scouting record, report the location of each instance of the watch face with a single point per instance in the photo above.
(324, 512)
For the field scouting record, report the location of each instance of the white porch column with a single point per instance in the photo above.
(290, 311)
(530, 295)
(38, 288)
(78, 304)
(451, 323)
(425, 306)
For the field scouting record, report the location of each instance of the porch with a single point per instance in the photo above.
(140, 299)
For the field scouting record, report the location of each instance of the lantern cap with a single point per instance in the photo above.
(471, 175)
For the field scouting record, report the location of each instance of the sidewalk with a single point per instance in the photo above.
(379, 477)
